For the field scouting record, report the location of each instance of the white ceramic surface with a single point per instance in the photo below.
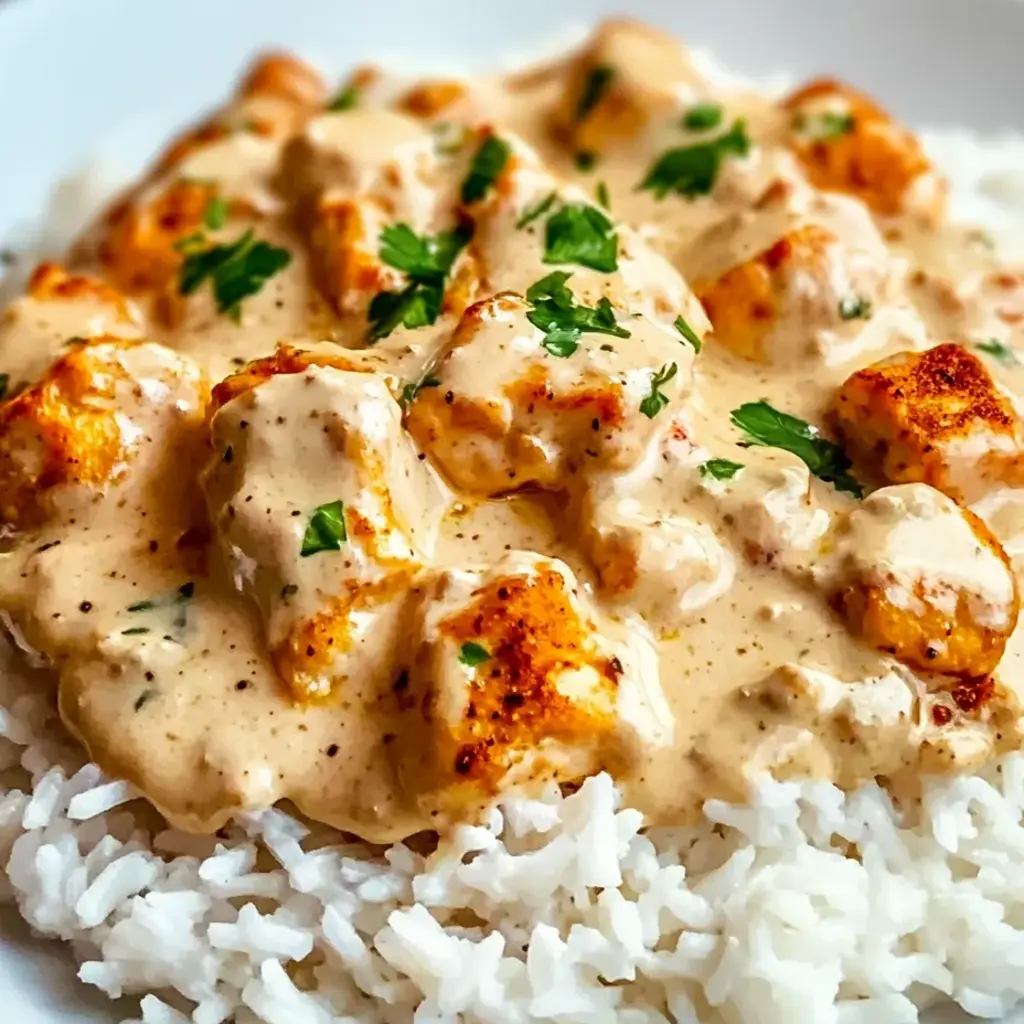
(114, 77)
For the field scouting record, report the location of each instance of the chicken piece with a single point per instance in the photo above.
(799, 277)
(78, 428)
(513, 683)
(934, 416)
(923, 579)
(646, 555)
(58, 306)
(510, 406)
(625, 77)
(433, 98)
(848, 144)
(324, 512)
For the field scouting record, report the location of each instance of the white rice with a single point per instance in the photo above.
(557, 909)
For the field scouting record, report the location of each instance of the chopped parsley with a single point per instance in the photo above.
(583, 235)
(602, 195)
(720, 469)
(488, 162)
(473, 654)
(824, 127)
(326, 529)
(656, 401)
(426, 261)
(693, 170)
(144, 698)
(236, 270)
(554, 310)
(688, 333)
(999, 351)
(702, 117)
(413, 388)
(594, 88)
(184, 593)
(769, 428)
(216, 214)
(531, 213)
(855, 308)
(585, 160)
(344, 99)
(135, 631)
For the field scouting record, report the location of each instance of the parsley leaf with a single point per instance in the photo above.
(595, 86)
(688, 333)
(216, 214)
(702, 117)
(531, 213)
(692, 170)
(824, 127)
(236, 270)
(585, 160)
(766, 426)
(583, 235)
(720, 469)
(344, 99)
(656, 401)
(426, 261)
(488, 162)
(411, 390)
(855, 308)
(602, 195)
(326, 529)
(472, 654)
(993, 347)
(555, 312)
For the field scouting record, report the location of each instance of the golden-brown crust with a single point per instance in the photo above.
(925, 635)
(285, 360)
(902, 416)
(428, 99)
(744, 303)
(877, 160)
(532, 634)
(51, 282)
(285, 77)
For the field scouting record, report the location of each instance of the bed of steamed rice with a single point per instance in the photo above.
(809, 906)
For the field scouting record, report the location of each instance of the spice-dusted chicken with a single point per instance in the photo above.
(59, 306)
(847, 143)
(75, 432)
(324, 512)
(627, 76)
(516, 400)
(513, 681)
(934, 416)
(923, 579)
(800, 278)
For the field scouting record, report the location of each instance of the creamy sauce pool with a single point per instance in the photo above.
(168, 599)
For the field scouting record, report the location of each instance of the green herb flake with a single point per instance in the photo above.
(144, 698)
(553, 309)
(585, 161)
(216, 214)
(602, 195)
(236, 270)
(720, 469)
(472, 654)
(656, 401)
(135, 631)
(426, 261)
(582, 235)
(344, 99)
(702, 117)
(326, 529)
(824, 127)
(412, 389)
(693, 170)
(855, 308)
(688, 333)
(594, 88)
(765, 426)
(531, 213)
(999, 351)
(488, 162)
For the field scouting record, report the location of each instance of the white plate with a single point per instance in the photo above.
(115, 77)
